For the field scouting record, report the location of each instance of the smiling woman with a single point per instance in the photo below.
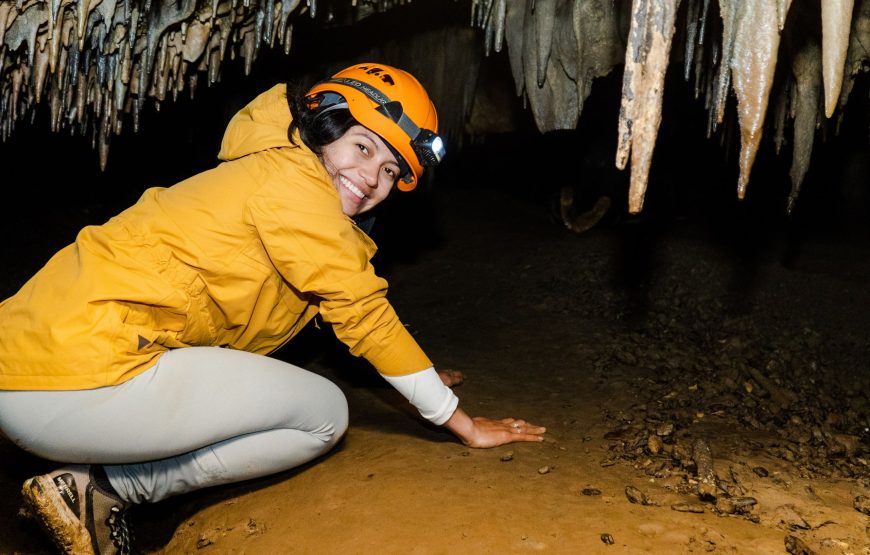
(160, 318)
(362, 168)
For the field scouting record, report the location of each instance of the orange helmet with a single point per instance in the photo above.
(393, 104)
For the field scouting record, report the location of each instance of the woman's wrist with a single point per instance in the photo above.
(461, 425)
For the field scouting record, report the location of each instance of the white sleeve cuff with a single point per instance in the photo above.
(425, 390)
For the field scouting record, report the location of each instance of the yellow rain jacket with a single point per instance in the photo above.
(241, 256)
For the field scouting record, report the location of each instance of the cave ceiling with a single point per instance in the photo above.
(784, 68)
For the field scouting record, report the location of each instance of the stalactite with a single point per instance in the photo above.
(599, 46)
(700, 53)
(287, 7)
(807, 71)
(554, 101)
(779, 120)
(499, 11)
(646, 60)
(53, 10)
(752, 69)
(858, 55)
(8, 12)
(836, 19)
(782, 7)
(692, 22)
(727, 11)
(515, 16)
(544, 16)
(40, 66)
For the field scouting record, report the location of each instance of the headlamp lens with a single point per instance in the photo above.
(438, 148)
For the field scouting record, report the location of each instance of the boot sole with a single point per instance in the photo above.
(51, 512)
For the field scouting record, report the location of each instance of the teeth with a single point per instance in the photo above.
(350, 186)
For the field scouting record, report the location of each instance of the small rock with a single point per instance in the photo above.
(735, 505)
(626, 358)
(760, 471)
(253, 528)
(795, 546)
(634, 495)
(787, 516)
(688, 507)
(665, 429)
(509, 456)
(544, 470)
(834, 543)
(862, 504)
(590, 491)
(607, 539)
(706, 473)
(654, 444)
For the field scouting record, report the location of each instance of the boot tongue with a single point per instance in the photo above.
(66, 485)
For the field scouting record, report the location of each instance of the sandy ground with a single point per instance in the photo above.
(533, 314)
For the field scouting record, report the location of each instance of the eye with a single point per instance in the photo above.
(390, 172)
(362, 148)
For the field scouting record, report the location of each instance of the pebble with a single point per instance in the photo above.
(636, 496)
(509, 456)
(862, 504)
(760, 471)
(689, 507)
(654, 444)
(795, 546)
(590, 491)
(735, 505)
(789, 517)
(607, 539)
(544, 470)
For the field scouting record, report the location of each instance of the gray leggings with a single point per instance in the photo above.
(202, 416)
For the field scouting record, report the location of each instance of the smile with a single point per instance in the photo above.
(351, 187)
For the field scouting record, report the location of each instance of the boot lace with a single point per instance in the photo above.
(119, 531)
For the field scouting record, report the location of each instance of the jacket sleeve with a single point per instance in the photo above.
(319, 252)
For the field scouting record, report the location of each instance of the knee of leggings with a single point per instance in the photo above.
(336, 401)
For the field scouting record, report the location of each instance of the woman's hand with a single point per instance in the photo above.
(481, 432)
(451, 378)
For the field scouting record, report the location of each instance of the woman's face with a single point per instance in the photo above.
(362, 169)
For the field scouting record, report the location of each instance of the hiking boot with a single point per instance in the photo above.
(80, 516)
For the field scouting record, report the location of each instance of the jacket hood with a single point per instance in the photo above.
(261, 125)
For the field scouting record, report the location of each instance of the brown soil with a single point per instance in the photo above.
(606, 338)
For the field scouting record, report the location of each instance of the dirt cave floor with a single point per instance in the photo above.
(699, 398)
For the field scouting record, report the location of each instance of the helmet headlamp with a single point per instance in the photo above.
(428, 147)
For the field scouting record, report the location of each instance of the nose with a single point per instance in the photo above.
(369, 173)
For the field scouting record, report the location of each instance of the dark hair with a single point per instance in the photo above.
(317, 128)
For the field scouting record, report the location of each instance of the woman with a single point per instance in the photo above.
(136, 355)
